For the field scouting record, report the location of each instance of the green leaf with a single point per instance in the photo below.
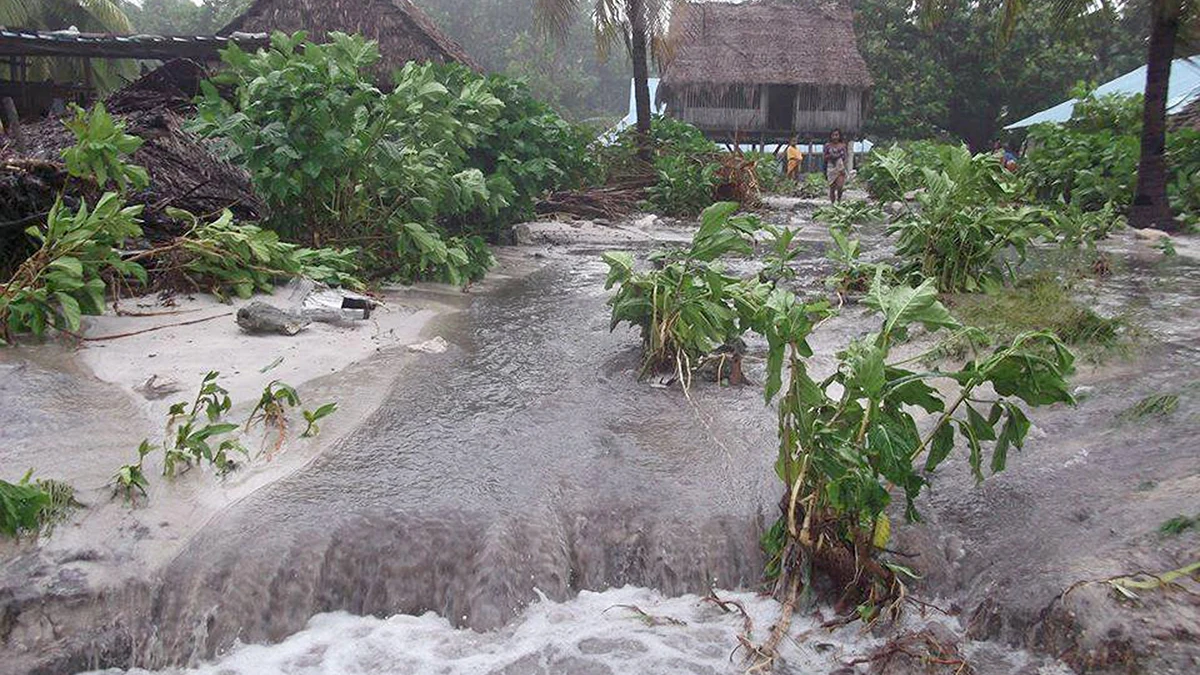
(940, 446)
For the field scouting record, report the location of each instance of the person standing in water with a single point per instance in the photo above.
(794, 158)
(835, 165)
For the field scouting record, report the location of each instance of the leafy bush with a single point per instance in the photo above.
(813, 185)
(965, 226)
(340, 161)
(687, 305)
(852, 275)
(62, 280)
(100, 144)
(1092, 160)
(844, 440)
(771, 178)
(685, 165)
(889, 174)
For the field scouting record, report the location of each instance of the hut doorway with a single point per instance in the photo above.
(781, 107)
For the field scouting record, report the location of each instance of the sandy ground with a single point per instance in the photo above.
(76, 412)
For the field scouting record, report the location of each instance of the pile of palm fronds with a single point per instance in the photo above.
(614, 200)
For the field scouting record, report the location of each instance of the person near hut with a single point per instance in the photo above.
(794, 158)
(835, 165)
(1004, 155)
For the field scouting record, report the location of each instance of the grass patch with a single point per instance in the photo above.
(1158, 405)
(1178, 525)
(1040, 302)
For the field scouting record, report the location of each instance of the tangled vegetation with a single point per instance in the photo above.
(1091, 161)
(412, 177)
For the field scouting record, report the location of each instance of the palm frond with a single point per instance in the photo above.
(554, 18)
(17, 13)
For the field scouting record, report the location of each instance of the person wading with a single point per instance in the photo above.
(835, 165)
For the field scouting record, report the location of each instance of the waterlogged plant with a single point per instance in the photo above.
(687, 305)
(781, 251)
(851, 273)
(62, 280)
(100, 145)
(272, 408)
(311, 417)
(130, 480)
(845, 214)
(193, 430)
(34, 506)
(967, 235)
(850, 441)
(224, 257)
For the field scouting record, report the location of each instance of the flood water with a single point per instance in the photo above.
(524, 484)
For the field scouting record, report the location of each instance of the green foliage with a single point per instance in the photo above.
(845, 439)
(100, 144)
(992, 79)
(687, 305)
(781, 251)
(1178, 525)
(130, 480)
(771, 178)
(685, 165)
(34, 506)
(844, 214)
(965, 227)
(889, 174)
(191, 436)
(340, 161)
(1037, 303)
(223, 256)
(311, 417)
(1091, 161)
(813, 185)
(21, 506)
(62, 280)
(1156, 405)
(851, 274)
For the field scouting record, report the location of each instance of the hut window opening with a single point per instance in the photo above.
(737, 98)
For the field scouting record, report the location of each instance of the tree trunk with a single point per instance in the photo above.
(1150, 207)
(641, 75)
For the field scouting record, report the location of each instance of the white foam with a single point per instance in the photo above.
(589, 634)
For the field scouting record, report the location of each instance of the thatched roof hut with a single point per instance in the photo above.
(184, 173)
(769, 69)
(403, 31)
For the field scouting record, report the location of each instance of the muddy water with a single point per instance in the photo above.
(525, 464)
(524, 458)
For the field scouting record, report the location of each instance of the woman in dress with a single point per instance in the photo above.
(835, 165)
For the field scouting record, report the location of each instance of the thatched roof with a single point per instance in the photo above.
(800, 42)
(184, 173)
(403, 31)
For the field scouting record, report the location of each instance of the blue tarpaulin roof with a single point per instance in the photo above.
(1182, 90)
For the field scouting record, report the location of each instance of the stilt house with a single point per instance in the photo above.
(765, 71)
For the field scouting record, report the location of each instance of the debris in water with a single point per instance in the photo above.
(437, 345)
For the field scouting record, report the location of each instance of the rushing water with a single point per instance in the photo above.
(524, 484)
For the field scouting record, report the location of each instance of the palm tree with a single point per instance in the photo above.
(640, 25)
(96, 16)
(1167, 19)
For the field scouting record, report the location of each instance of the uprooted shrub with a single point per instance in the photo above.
(393, 173)
(63, 279)
(34, 506)
(687, 304)
(847, 442)
(967, 233)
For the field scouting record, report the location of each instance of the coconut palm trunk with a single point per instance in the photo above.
(641, 75)
(1150, 207)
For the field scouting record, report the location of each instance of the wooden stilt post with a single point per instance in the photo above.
(12, 121)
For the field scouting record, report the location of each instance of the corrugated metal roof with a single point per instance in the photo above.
(102, 45)
(1183, 88)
